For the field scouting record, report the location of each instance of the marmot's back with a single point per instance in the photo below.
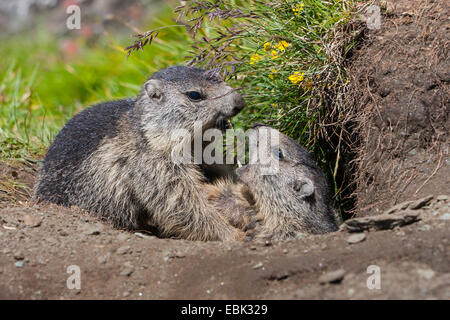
(79, 138)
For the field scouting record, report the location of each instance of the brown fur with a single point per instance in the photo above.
(114, 159)
(295, 199)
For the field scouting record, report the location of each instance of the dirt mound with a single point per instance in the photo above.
(40, 243)
(400, 81)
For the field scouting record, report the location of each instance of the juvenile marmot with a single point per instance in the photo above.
(294, 199)
(114, 159)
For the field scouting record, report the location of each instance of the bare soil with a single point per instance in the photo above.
(401, 83)
(39, 242)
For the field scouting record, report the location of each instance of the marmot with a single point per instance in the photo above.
(114, 159)
(294, 199)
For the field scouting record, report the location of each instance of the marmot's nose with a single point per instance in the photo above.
(239, 104)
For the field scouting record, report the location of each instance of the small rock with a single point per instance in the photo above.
(19, 256)
(412, 205)
(126, 294)
(355, 238)
(123, 237)
(299, 235)
(179, 255)
(381, 222)
(442, 197)
(1, 233)
(123, 250)
(258, 265)
(253, 248)
(420, 203)
(91, 230)
(127, 270)
(445, 216)
(267, 243)
(285, 251)
(104, 258)
(142, 235)
(427, 274)
(425, 227)
(63, 234)
(31, 221)
(172, 255)
(18, 264)
(332, 277)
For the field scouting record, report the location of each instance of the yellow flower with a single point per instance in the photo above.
(282, 45)
(267, 46)
(274, 54)
(274, 105)
(298, 8)
(296, 77)
(255, 58)
(273, 73)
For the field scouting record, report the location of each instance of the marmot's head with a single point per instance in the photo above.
(176, 97)
(295, 192)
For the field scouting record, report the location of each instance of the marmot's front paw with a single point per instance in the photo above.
(252, 229)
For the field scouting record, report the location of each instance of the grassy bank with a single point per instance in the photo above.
(45, 79)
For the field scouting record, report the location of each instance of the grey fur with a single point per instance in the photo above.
(114, 161)
(295, 199)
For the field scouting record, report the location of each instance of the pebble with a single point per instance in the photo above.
(31, 221)
(126, 294)
(332, 277)
(127, 270)
(258, 265)
(123, 250)
(18, 264)
(299, 235)
(428, 274)
(425, 227)
(442, 197)
(91, 231)
(355, 238)
(123, 237)
(104, 258)
(445, 216)
(19, 256)
(142, 235)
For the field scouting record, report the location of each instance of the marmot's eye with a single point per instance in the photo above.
(279, 154)
(194, 95)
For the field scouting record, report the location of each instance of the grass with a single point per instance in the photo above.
(41, 86)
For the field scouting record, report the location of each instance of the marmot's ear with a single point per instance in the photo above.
(153, 89)
(304, 187)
